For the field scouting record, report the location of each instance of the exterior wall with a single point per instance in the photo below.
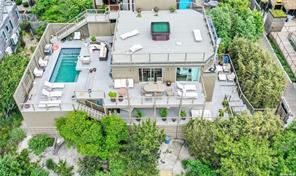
(101, 29)
(150, 4)
(41, 122)
(125, 72)
(12, 16)
(209, 83)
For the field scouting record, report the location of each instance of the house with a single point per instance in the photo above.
(9, 27)
(124, 62)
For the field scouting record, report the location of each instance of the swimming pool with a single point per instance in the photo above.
(184, 4)
(65, 67)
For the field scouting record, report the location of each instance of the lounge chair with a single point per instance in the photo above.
(42, 62)
(50, 85)
(38, 72)
(197, 35)
(231, 77)
(50, 103)
(187, 94)
(84, 59)
(119, 83)
(51, 94)
(77, 36)
(129, 34)
(189, 87)
(222, 77)
(135, 48)
(219, 68)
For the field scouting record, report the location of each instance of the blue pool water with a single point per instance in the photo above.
(65, 67)
(184, 4)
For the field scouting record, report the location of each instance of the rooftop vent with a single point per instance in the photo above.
(160, 31)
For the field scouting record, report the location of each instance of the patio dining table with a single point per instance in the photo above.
(154, 87)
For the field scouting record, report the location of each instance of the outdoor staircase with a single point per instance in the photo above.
(90, 111)
(237, 105)
(82, 19)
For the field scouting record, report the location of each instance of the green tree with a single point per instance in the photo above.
(91, 137)
(259, 76)
(39, 143)
(246, 156)
(196, 167)
(285, 149)
(89, 165)
(84, 132)
(11, 69)
(19, 164)
(200, 136)
(142, 149)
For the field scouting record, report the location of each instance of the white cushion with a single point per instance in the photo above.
(119, 83)
(54, 85)
(219, 68)
(231, 76)
(130, 83)
(37, 72)
(77, 36)
(222, 77)
(135, 48)
(129, 34)
(189, 87)
(197, 35)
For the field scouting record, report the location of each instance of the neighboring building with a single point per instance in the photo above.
(288, 6)
(9, 27)
(146, 5)
(173, 69)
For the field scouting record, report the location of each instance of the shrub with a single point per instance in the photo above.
(18, 2)
(163, 112)
(62, 169)
(16, 135)
(196, 167)
(50, 164)
(89, 166)
(183, 113)
(112, 94)
(139, 113)
(259, 76)
(172, 9)
(93, 38)
(39, 143)
(26, 3)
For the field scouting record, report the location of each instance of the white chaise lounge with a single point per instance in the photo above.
(51, 94)
(49, 104)
(135, 48)
(188, 94)
(129, 34)
(50, 85)
(42, 62)
(38, 72)
(197, 35)
(77, 36)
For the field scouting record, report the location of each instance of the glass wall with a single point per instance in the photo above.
(187, 74)
(150, 74)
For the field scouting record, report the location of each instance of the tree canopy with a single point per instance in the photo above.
(11, 71)
(60, 11)
(259, 76)
(240, 145)
(234, 18)
(92, 137)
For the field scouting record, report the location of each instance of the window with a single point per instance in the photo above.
(17, 14)
(4, 35)
(187, 74)
(7, 28)
(150, 74)
(11, 26)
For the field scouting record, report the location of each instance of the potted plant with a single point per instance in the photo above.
(139, 10)
(139, 114)
(112, 96)
(172, 9)
(163, 113)
(156, 9)
(168, 83)
(183, 115)
(221, 112)
(225, 102)
(120, 98)
(93, 39)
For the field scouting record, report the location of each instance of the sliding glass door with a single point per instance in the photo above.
(187, 74)
(150, 74)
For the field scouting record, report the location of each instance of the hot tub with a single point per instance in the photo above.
(160, 31)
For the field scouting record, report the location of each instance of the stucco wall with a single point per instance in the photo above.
(209, 83)
(169, 73)
(150, 4)
(101, 29)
